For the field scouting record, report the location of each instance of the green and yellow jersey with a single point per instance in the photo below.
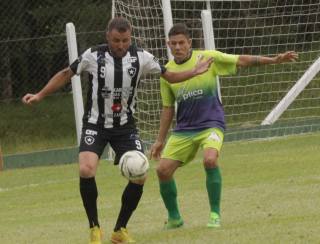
(198, 103)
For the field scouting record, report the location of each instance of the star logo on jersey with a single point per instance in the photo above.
(89, 140)
(132, 71)
(116, 107)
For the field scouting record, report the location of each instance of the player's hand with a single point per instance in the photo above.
(202, 65)
(156, 149)
(289, 56)
(29, 99)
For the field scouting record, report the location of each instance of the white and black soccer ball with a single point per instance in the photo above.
(134, 165)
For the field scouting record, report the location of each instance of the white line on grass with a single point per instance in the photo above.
(50, 182)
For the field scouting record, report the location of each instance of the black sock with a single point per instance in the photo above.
(89, 195)
(130, 199)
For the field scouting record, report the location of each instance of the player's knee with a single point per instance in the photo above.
(210, 162)
(86, 170)
(88, 163)
(163, 172)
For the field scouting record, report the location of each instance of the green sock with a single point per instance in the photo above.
(213, 184)
(168, 191)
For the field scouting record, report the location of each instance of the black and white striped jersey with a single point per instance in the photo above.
(112, 92)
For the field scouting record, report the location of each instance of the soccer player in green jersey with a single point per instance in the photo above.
(199, 119)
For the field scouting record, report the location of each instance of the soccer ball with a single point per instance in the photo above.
(133, 165)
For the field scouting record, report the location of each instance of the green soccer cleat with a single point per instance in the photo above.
(121, 236)
(173, 224)
(95, 235)
(214, 220)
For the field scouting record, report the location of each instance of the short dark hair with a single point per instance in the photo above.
(179, 29)
(120, 24)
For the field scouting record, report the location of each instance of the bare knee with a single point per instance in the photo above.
(210, 162)
(88, 163)
(166, 169)
(162, 171)
(86, 170)
(210, 159)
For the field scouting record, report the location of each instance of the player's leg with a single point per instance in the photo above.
(168, 191)
(88, 162)
(178, 151)
(133, 191)
(91, 147)
(211, 142)
(213, 184)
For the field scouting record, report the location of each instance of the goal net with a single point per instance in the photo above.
(240, 27)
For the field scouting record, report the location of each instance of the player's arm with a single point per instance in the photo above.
(57, 81)
(249, 60)
(165, 122)
(201, 67)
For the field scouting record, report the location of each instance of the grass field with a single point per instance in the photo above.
(271, 194)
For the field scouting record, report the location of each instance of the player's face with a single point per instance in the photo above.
(119, 42)
(180, 46)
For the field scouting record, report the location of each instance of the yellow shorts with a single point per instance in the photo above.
(183, 146)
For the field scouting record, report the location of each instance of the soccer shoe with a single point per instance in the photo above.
(95, 235)
(121, 236)
(214, 220)
(173, 224)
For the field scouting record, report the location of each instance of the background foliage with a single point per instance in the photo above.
(33, 48)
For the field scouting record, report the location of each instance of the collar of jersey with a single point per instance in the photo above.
(185, 60)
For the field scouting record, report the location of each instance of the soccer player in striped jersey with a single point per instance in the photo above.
(199, 119)
(114, 72)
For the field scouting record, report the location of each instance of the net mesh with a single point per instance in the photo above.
(240, 27)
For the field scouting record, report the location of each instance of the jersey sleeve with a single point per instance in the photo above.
(223, 63)
(151, 64)
(167, 95)
(81, 63)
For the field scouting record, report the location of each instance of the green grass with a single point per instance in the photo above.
(47, 125)
(271, 194)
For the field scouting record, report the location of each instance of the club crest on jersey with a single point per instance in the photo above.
(89, 140)
(132, 71)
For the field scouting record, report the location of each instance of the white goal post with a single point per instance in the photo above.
(239, 27)
(75, 81)
(301, 84)
(208, 37)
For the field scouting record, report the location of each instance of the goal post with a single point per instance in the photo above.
(75, 80)
(301, 84)
(208, 36)
(167, 22)
(239, 27)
